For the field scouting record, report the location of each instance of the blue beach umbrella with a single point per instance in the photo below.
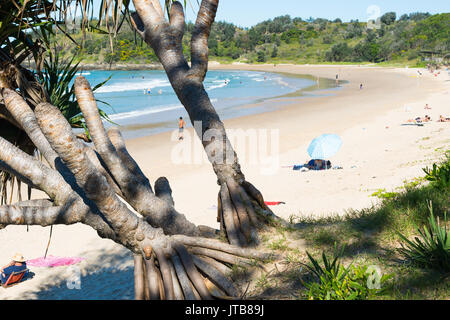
(324, 146)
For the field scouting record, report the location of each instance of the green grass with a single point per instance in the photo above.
(370, 237)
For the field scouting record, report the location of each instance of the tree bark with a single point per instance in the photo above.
(84, 183)
(170, 270)
(242, 207)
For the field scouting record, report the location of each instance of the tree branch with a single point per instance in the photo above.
(115, 136)
(6, 115)
(32, 215)
(157, 5)
(23, 114)
(36, 174)
(134, 185)
(162, 37)
(177, 19)
(33, 172)
(199, 41)
(148, 16)
(133, 232)
(35, 203)
(103, 145)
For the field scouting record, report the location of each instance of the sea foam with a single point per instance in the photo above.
(133, 86)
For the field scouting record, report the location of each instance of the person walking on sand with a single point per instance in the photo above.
(360, 86)
(181, 125)
(16, 265)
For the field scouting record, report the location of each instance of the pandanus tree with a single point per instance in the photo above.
(85, 185)
(93, 183)
(241, 209)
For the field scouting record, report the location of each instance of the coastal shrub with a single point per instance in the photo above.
(439, 175)
(327, 39)
(388, 18)
(261, 56)
(431, 249)
(339, 52)
(382, 194)
(404, 38)
(336, 282)
(274, 52)
(57, 78)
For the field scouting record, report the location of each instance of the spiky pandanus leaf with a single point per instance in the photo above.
(25, 31)
(431, 249)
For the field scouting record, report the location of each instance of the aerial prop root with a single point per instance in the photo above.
(242, 211)
(197, 269)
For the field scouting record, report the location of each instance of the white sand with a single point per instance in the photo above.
(377, 153)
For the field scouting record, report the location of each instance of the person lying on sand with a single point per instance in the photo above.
(442, 119)
(16, 265)
(427, 107)
(318, 164)
(419, 119)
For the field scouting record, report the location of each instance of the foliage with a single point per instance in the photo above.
(388, 18)
(432, 248)
(370, 235)
(261, 56)
(382, 194)
(57, 78)
(339, 52)
(439, 175)
(296, 40)
(336, 282)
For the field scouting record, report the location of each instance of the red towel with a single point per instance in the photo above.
(273, 203)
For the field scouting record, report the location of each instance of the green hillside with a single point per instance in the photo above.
(286, 40)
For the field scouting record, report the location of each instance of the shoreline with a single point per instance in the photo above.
(349, 111)
(322, 86)
(378, 153)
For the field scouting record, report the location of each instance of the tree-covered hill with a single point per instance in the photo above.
(286, 39)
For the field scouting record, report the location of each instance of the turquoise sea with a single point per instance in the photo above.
(141, 114)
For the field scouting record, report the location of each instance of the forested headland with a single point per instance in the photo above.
(406, 40)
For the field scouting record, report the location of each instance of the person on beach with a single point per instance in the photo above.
(181, 125)
(16, 265)
(427, 107)
(420, 120)
(318, 164)
(360, 86)
(442, 119)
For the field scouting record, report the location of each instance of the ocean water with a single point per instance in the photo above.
(141, 114)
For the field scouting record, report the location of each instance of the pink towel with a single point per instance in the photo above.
(51, 261)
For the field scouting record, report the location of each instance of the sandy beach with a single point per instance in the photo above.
(379, 152)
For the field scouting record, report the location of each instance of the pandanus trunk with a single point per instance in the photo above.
(83, 185)
(84, 182)
(241, 205)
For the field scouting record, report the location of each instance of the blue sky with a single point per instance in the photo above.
(246, 13)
